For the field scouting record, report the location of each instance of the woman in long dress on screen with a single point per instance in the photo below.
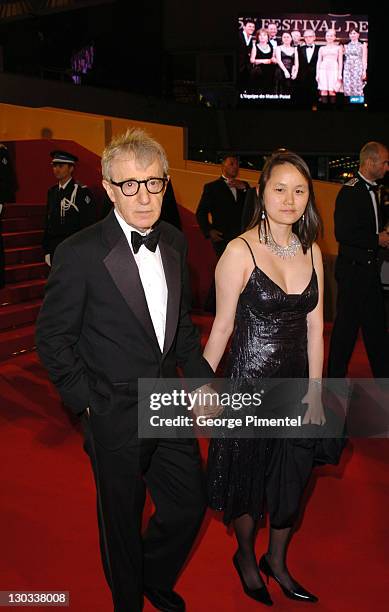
(262, 63)
(329, 68)
(288, 65)
(269, 287)
(354, 65)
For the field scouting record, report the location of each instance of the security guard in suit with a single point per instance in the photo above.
(360, 303)
(70, 206)
(223, 200)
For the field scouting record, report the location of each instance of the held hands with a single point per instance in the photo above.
(206, 407)
(287, 74)
(315, 412)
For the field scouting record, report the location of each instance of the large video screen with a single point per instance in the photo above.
(303, 59)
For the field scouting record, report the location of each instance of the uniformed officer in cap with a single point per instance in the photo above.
(360, 232)
(70, 206)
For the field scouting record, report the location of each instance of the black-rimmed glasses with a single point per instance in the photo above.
(130, 187)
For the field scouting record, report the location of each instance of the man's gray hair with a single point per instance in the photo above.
(137, 144)
(370, 150)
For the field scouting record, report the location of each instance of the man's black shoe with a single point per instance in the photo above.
(165, 600)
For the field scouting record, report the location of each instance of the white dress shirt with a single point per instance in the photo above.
(248, 38)
(232, 189)
(373, 199)
(153, 280)
(309, 51)
(65, 184)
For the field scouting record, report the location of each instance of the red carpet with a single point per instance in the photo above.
(49, 533)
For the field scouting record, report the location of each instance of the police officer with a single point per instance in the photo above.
(359, 231)
(70, 206)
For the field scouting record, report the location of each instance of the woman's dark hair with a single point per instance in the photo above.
(306, 229)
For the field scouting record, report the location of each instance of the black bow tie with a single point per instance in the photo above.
(150, 240)
(309, 46)
(374, 188)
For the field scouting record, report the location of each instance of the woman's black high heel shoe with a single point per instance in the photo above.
(298, 592)
(261, 594)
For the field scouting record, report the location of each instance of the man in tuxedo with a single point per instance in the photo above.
(306, 83)
(296, 38)
(272, 31)
(245, 45)
(360, 303)
(223, 201)
(116, 309)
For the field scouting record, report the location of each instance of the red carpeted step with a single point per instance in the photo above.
(23, 272)
(17, 341)
(22, 224)
(16, 315)
(20, 239)
(22, 292)
(24, 255)
(23, 210)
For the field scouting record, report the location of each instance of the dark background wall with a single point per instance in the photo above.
(142, 46)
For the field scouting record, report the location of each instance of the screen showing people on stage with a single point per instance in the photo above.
(303, 59)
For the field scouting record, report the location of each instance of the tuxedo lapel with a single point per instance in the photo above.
(172, 268)
(225, 188)
(122, 267)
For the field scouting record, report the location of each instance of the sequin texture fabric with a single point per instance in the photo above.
(269, 340)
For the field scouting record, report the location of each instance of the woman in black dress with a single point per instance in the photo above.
(288, 65)
(262, 62)
(269, 287)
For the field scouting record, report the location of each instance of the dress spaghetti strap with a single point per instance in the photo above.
(252, 254)
(313, 267)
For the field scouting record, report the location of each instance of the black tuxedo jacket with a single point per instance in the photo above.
(94, 331)
(244, 51)
(355, 223)
(307, 69)
(226, 212)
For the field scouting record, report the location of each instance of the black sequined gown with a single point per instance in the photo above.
(269, 340)
(284, 85)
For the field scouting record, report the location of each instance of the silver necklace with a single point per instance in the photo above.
(284, 252)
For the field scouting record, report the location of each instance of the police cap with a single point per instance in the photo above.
(63, 157)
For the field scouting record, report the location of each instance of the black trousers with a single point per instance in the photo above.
(172, 472)
(360, 305)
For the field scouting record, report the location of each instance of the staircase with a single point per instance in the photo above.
(25, 276)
